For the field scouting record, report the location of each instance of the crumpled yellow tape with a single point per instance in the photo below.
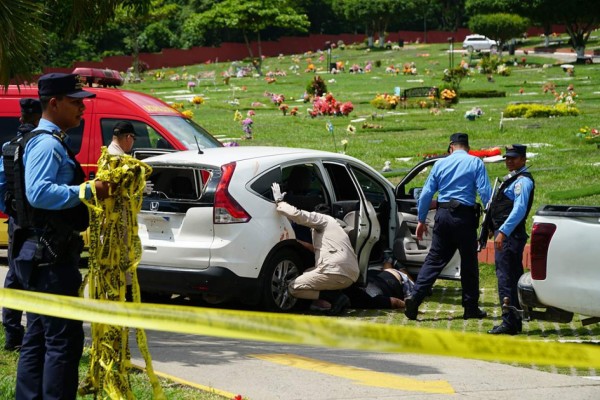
(115, 251)
(306, 330)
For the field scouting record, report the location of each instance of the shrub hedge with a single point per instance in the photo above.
(482, 94)
(539, 111)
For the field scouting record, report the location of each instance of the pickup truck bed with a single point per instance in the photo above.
(565, 269)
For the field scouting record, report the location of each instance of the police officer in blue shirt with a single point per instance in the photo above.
(508, 212)
(46, 242)
(31, 112)
(457, 179)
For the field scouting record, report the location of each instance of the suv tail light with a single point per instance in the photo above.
(227, 210)
(541, 234)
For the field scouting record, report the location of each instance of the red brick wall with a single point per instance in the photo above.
(170, 58)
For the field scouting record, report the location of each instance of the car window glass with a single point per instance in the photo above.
(75, 137)
(145, 135)
(178, 183)
(374, 192)
(187, 132)
(262, 185)
(303, 185)
(8, 128)
(343, 186)
(9, 125)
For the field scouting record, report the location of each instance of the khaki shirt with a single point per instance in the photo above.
(333, 251)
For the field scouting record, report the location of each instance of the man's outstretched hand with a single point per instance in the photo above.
(277, 195)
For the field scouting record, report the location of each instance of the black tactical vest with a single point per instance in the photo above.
(17, 206)
(502, 206)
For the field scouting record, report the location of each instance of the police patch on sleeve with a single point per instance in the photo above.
(518, 188)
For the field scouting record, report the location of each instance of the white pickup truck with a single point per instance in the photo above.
(565, 265)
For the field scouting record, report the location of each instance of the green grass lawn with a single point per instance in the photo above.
(564, 166)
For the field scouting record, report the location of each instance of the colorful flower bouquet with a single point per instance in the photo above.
(328, 105)
(197, 100)
(386, 101)
(247, 128)
(567, 98)
(284, 108)
(589, 135)
(473, 113)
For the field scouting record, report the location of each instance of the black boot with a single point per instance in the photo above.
(412, 303)
(339, 301)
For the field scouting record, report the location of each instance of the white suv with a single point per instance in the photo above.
(478, 43)
(210, 228)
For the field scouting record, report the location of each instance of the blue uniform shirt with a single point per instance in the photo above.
(459, 176)
(519, 192)
(49, 171)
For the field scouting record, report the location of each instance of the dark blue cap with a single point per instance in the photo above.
(30, 106)
(516, 150)
(122, 128)
(59, 84)
(459, 137)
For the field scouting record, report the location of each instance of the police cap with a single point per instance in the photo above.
(59, 84)
(459, 137)
(516, 150)
(122, 128)
(30, 106)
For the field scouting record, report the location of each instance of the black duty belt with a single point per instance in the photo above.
(454, 204)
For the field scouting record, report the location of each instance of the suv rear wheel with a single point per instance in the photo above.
(279, 271)
(470, 49)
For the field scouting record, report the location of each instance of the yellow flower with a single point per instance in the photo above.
(188, 114)
(198, 100)
(237, 116)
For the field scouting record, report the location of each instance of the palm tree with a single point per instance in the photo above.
(24, 23)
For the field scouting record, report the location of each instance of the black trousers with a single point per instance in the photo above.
(11, 319)
(509, 268)
(454, 229)
(52, 346)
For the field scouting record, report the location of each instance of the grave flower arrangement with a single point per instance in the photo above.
(328, 105)
(386, 101)
(247, 128)
(473, 113)
(589, 135)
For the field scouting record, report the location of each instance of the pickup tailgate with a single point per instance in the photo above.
(572, 267)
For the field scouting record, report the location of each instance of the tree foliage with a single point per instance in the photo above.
(500, 26)
(374, 15)
(26, 25)
(252, 17)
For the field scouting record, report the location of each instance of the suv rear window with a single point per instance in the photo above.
(178, 183)
(9, 125)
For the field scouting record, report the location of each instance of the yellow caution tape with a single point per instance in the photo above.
(115, 251)
(306, 330)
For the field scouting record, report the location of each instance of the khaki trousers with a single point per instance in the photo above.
(311, 282)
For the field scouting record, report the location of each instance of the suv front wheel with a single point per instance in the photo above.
(283, 267)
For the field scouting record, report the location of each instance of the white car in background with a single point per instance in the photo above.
(478, 43)
(210, 229)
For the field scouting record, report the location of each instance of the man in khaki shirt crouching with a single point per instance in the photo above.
(336, 265)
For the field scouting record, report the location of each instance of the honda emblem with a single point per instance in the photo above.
(154, 205)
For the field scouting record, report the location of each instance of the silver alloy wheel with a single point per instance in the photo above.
(284, 272)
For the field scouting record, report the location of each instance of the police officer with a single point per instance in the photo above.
(123, 138)
(47, 244)
(508, 212)
(456, 178)
(31, 112)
